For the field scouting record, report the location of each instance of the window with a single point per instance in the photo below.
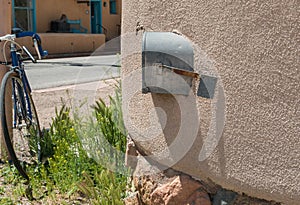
(24, 14)
(113, 6)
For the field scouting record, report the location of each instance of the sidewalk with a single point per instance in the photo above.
(46, 100)
(49, 73)
(71, 81)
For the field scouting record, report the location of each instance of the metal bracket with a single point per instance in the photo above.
(207, 86)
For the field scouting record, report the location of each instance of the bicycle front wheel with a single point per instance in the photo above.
(20, 123)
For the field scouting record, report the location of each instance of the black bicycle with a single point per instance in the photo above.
(19, 120)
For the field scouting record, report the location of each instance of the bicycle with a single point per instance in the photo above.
(20, 125)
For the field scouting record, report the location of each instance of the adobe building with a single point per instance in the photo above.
(70, 26)
(237, 123)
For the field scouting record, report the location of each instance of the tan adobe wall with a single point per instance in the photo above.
(112, 22)
(66, 43)
(253, 48)
(47, 11)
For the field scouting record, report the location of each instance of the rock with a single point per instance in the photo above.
(131, 154)
(182, 190)
(132, 199)
(157, 185)
(199, 197)
(145, 186)
(224, 197)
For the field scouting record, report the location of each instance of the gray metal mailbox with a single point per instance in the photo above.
(168, 66)
(168, 61)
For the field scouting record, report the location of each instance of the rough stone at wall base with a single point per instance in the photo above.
(181, 189)
(154, 185)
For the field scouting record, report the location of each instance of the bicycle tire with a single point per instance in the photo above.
(22, 134)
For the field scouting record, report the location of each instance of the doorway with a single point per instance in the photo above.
(96, 16)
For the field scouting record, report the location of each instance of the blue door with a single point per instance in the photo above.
(96, 17)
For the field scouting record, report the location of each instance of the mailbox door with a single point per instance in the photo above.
(170, 49)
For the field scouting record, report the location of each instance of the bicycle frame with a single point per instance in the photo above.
(19, 118)
(18, 66)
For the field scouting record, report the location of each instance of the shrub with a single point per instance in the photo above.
(80, 158)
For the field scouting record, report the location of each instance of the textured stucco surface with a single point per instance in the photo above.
(253, 48)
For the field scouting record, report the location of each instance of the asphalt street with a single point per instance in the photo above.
(49, 73)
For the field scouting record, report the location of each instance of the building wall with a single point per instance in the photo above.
(47, 11)
(63, 44)
(112, 22)
(253, 49)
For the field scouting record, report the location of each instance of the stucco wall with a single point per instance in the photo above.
(47, 11)
(66, 43)
(112, 22)
(253, 49)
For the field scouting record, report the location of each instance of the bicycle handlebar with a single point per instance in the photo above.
(36, 41)
(8, 37)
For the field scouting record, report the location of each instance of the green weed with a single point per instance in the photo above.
(6, 201)
(79, 158)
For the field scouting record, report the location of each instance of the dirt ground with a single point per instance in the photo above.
(74, 96)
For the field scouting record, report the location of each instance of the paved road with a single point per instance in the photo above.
(50, 73)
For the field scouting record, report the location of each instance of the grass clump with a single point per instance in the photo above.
(83, 160)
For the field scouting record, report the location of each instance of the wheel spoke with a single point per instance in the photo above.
(21, 130)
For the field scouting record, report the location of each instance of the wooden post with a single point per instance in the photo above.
(5, 28)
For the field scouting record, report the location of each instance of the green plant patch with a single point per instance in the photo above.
(6, 201)
(82, 160)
